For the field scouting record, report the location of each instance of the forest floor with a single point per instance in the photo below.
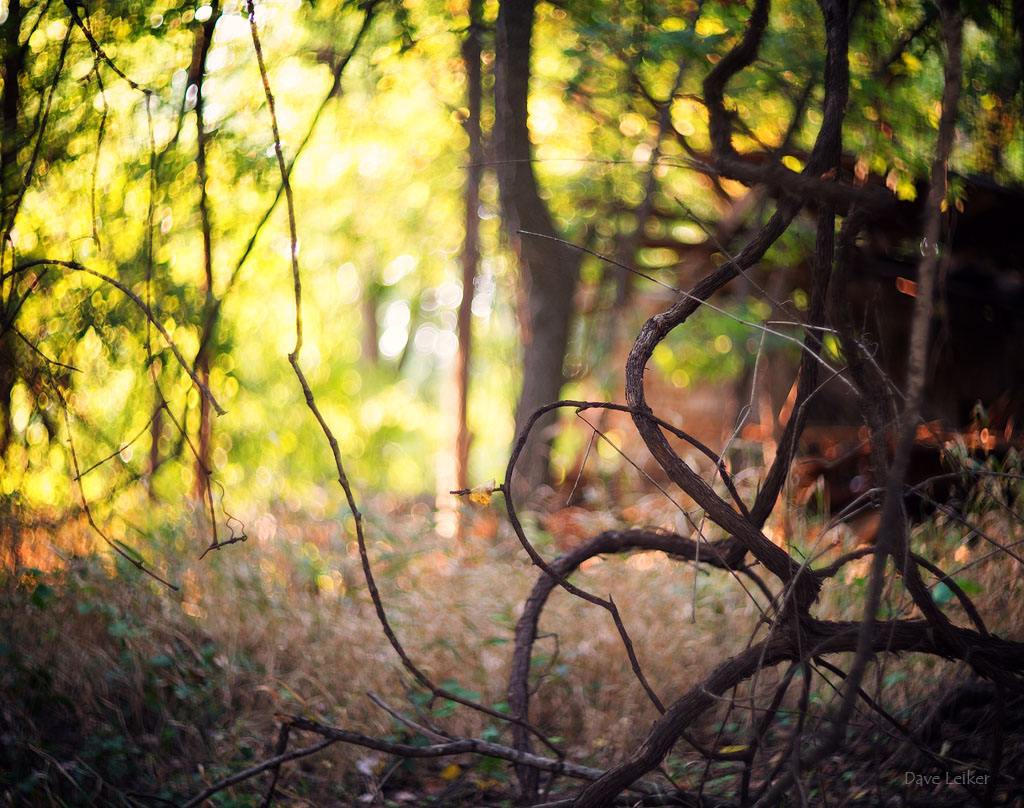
(115, 690)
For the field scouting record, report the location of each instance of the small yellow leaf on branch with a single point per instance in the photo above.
(481, 495)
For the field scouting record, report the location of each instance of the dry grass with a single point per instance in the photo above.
(112, 679)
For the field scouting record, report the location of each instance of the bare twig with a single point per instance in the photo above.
(267, 765)
(343, 480)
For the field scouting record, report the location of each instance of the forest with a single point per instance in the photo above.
(511, 403)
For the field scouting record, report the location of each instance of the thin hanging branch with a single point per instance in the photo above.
(343, 480)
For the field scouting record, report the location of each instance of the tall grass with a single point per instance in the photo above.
(114, 686)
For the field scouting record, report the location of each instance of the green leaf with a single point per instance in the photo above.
(942, 594)
(42, 595)
(131, 552)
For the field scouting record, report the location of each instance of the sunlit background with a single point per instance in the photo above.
(378, 184)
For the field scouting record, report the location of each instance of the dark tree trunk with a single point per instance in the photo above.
(471, 246)
(12, 64)
(547, 269)
(156, 460)
(204, 436)
(8, 376)
(211, 320)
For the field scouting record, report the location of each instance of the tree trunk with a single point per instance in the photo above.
(548, 270)
(11, 67)
(12, 64)
(471, 245)
(204, 435)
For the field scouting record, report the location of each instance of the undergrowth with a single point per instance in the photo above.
(117, 691)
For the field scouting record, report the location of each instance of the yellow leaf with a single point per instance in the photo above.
(731, 750)
(451, 771)
(912, 63)
(481, 495)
